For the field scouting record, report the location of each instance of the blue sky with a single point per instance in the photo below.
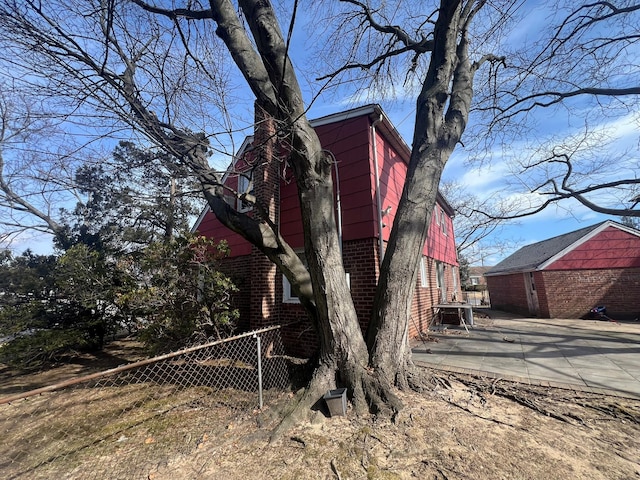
(494, 177)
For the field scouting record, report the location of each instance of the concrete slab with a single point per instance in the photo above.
(589, 354)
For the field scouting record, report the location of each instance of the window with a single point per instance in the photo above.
(424, 280)
(245, 185)
(443, 221)
(454, 275)
(440, 281)
(288, 296)
(287, 293)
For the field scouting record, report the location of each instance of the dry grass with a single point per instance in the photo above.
(463, 427)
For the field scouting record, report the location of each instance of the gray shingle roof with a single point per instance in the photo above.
(532, 256)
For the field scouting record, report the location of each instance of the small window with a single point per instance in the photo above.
(245, 185)
(288, 296)
(424, 280)
(287, 293)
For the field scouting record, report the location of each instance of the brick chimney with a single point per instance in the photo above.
(266, 289)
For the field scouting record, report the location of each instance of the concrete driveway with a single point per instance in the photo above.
(588, 355)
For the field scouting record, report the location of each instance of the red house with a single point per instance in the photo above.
(370, 168)
(568, 275)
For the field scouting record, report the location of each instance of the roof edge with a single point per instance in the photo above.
(342, 116)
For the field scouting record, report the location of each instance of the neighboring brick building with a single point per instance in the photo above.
(476, 276)
(568, 275)
(366, 202)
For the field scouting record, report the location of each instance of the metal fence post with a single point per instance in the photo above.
(259, 348)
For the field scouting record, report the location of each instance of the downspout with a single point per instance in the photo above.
(338, 205)
(377, 180)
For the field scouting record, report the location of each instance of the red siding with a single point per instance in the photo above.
(611, 248)
(350, 143)
(441, 243)
(212, 228)
(392, 171)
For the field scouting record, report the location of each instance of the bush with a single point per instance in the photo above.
(181, 297)
(37, 348)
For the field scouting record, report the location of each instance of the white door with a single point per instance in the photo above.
(532, 293)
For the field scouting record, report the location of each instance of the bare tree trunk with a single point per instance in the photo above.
(441, 113)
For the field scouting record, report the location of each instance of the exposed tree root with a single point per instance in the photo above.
(555, 403)
(488, 419)
(300, 408)
(368, 393)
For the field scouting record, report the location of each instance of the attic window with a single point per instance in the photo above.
(245, 185)
(443, 222)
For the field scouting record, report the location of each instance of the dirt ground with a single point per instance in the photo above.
(461, 427)
(466, 428)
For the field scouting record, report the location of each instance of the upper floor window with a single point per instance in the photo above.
(443, 221)
(245, 185)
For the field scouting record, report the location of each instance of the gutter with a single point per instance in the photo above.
(377, 181)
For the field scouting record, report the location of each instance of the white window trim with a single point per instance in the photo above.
(286, 292)
(288, 297)
(439, 276)
(443, 222)
(245, 185)
(424, 279)
(454, 276)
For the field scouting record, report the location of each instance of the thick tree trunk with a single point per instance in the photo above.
(435, 137)
(342, 344)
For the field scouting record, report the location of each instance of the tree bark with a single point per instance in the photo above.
(441, 113)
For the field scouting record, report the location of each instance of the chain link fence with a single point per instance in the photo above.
(125, 422)
(477, 299)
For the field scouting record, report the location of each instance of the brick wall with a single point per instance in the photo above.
(265, 305)
(541, 292)
(252, 273)
(571, 294)
(426, 297)
(508, 293)
(361, 263)
(423, 300)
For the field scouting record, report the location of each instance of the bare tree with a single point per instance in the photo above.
(158, 69)
(478, 224)
(582, 70)
(34, 181)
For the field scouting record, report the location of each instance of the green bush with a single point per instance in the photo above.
(37, 348)
(181, 297)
